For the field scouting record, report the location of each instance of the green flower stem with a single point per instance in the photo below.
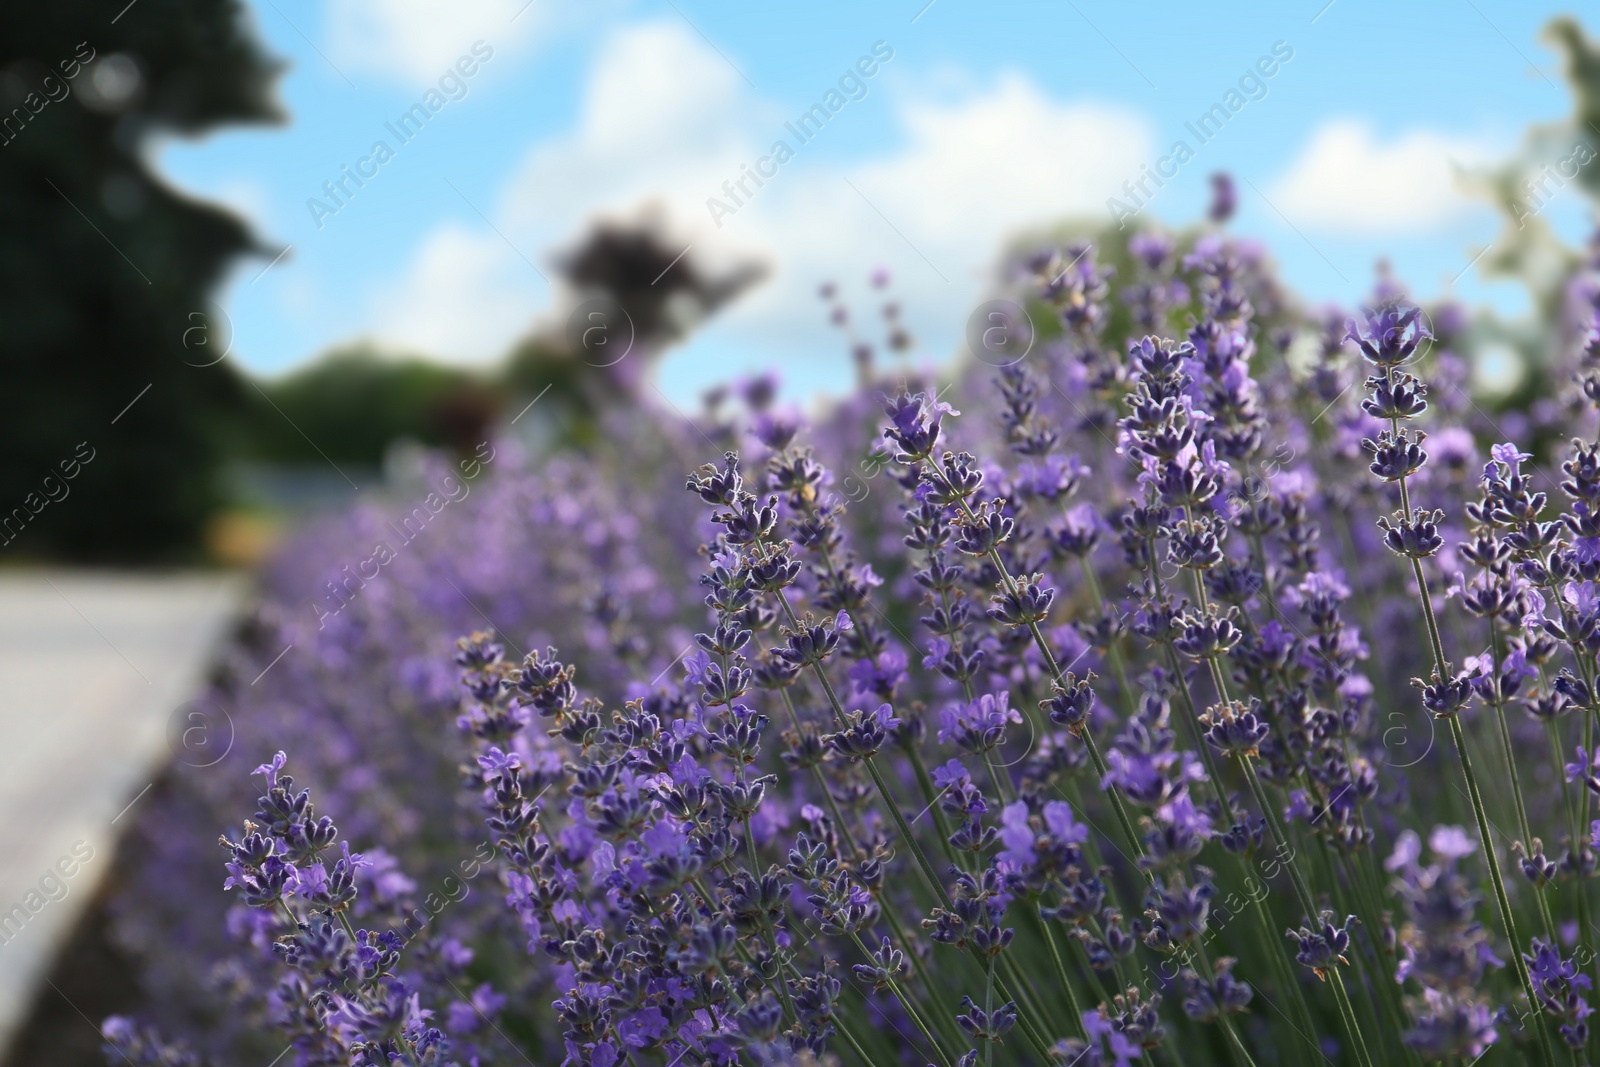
(1113, 648)
(1235, 1044)
(908, 1003)
(1297, 879)
(1283, 962)
(948, 1027)
(1000, 777)
(1388, 1014)
(1021, 988)
(877, 777)
(822, 782)
(888, 798)
(1499, 705)
(1575, 819)
(1586, 666)
(1116, 965)
(1358, 874)
(850, 1039)
(1192, 719)
(1343, 997)
(1464, 758)
(1062, 976)
(1441, 668)
(930, 797)
(1272, 945)
(1049, 657)
(1036, 1037)
(1280, 831)
(988, 1010)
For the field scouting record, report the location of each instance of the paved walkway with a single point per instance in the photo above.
(95, 668)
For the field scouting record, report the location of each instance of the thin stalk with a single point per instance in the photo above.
(1023, 993)
(1036, 1038)
(907, 1003)
(1282, 964)
(988, 1010)
(1499, 705)
(877, 777)
(1382, 975)
(1297, 879)
(930, 797)
(1062, 976)
(904, 830)
(1192, 719)
(949, 1028)
(1236, 1045)
(1280, 834)
(1349, 1011)
(1502, 901)
(822, 782)
(850, 1039)
(1002, 780)
(1047, 654)
(1342, 889)
(1516, 781)
(1116, 965)
(889, 801)
(1586, 666)
(1113, 649)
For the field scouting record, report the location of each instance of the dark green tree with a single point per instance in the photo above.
(105, 272)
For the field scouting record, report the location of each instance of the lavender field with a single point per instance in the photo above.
(1216, 679)
(1144, 661)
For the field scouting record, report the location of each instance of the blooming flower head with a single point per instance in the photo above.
(978, 725)
(1510, 457)
(1451, 842)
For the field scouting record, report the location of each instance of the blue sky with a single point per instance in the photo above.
(987, 118)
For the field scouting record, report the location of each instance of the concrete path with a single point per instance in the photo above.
(95, 669)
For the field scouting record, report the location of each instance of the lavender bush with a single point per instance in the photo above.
(1218, 685)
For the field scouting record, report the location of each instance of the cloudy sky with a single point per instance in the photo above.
(983, 119)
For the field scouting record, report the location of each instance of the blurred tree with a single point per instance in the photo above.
(105, 271)
(1554, 160)
(354, 401)
(630, 290)
(1582, 59)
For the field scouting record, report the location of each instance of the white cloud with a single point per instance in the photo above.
(464, 296)
(414, 41)
(1347, 179)
(662, 114)
(666, 121)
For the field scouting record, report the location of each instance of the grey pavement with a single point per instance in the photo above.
(94, 669)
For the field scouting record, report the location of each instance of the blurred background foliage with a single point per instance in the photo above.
(102, 262)
(111, 338)
(107, 274)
